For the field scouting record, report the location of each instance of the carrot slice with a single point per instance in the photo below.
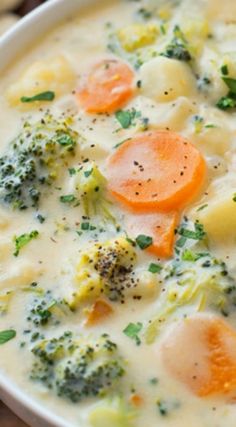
(160, 226)
(157, 170)
(100, 310)
(208, 367)
(108, 86)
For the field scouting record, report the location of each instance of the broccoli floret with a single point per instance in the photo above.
(33, 160)
(78, 369)
(178, 48)
(197, 281)
(45, 309)
(91, 189)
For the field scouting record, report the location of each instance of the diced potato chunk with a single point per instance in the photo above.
(165, 79)
(137, 35)
(222, 10)
(219, 217)
(53, 74)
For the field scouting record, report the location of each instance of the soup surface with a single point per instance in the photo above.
(118, 216)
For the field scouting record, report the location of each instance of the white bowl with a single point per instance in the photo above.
(12, 45)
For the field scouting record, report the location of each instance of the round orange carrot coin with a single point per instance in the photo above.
(208, 366)
(108, 87)
(157, 170)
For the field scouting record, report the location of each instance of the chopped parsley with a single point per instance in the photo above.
(145, 13)
(202, 207)
(154, 268)
(224, 70)
(234, 197)
(41, 218)
(228, 102)
(86, 226)
(231, 83)
(197, 234)
(188, 255)
(43, 96)
(7, 335)
(72, 171)
(23, 240)
(126, 118)
(143, 241)
(88, 173)
(69, 198)
(154, 381)
(132, 331)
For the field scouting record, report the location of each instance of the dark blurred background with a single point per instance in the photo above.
(28, 5)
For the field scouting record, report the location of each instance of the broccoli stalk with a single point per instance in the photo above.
(78, 369)
(112, 412)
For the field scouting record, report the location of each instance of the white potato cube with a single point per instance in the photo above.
(219, 216)
(54, 74)
(165, 79)
(222, 10)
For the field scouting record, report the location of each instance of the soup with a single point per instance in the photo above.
(117, 216)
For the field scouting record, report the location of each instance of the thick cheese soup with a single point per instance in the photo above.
(118, 216)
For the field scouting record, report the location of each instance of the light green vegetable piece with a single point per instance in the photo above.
(91, 188)
(112, 414)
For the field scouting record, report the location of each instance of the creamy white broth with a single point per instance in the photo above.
(51, 258)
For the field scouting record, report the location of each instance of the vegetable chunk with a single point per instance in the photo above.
(109, 85)
(209, 367)
(160, 226)
(156, 171)
(54, 75)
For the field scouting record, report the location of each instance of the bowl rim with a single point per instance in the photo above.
(10, 392)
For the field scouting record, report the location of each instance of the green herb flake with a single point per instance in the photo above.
(224, 70)
(85, 226)
(202, 207)
(132, 331)
(210, 126)
(188, 255)
(145, 13)
(23, 240)
(154, 268)
(69, 198)
(231, 83)
(72, 171)
(44, 96)
(65, 140)
(163, 409)
(7, 335)
(143, 241)
(226, 103)
(234, 197)
(88, 173)
(41, 218)
(154, 381)
(197, 234)
(126, 118)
